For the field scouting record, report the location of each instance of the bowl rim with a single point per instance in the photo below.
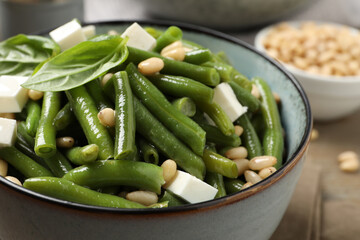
(202, 206)
(299, 72)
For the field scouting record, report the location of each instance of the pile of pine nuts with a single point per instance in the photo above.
(323, 49)
(254, 170)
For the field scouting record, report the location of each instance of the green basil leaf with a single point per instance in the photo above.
(78, 65)
(19, 55)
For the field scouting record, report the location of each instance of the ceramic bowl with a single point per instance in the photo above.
(224, 14)
(331, 97)
(250, 214)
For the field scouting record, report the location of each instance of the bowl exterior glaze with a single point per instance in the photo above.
(250, 214)
(254, 217)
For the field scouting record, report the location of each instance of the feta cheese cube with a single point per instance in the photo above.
(226, 98)
(12, 96)
(191, 188)
(68, 35)
(7, 132)
(139, 37)
(89, 31)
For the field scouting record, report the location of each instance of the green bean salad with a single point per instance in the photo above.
(136, 119)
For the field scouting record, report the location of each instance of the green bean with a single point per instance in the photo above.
(64, 118)
(273, 142)
(33, 109)
(183, 127)
(149, 152)
(22, 131)
(66, 190)
(223, 150)
(217, 181)
(198, 56)
(155, 33)
(57, 164)
(224, 70)
(82, 155)
(95, 90)
(86, 113)
(109, 90)
(214, 135)
(182, 87)
(104, 173)
(25, 165)
(205, 75)
(185, 105)
(241, 80)
(233, 185)
(249, 137)
(166, 142)
(245, 97)
(222, 57)
(235, 75)
(217, 114)
(172, 199)
(23, 147)
(124, 117)
(45, 140)
(216, 163)
(191, 45)
(170, 35)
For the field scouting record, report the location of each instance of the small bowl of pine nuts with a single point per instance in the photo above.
(324, 57)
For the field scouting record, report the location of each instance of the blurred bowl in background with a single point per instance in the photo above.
(331, 97)
(28, 16)
(224, 14)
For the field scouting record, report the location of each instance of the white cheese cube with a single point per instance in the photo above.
(139, 37)
(7, 132)
(226, 98)
(89, 31)
(12, 96)
(68, 35)
(191, 188)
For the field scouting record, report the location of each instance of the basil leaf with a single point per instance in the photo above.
(78, 65)
(19, 55)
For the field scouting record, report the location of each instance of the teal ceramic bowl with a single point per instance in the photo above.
(250, 214)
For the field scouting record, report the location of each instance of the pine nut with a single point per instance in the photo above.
(246, 185)
(314, 134)
(242, 165)
(113, 32)
(14, 180)
(107, 117)
(265, 172)
(174, 45)
(169, 170)
(351, 165)
(252, 177)
(151, 66)
(238, 130)
(347, 155)
(65, 142)
(106, 78)
(7, 115)
(237, 153)
(3, 167)
(276, 97)
(260, 162)
(35, 95)
(255, 91)
(176, 54)
(143, 197)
